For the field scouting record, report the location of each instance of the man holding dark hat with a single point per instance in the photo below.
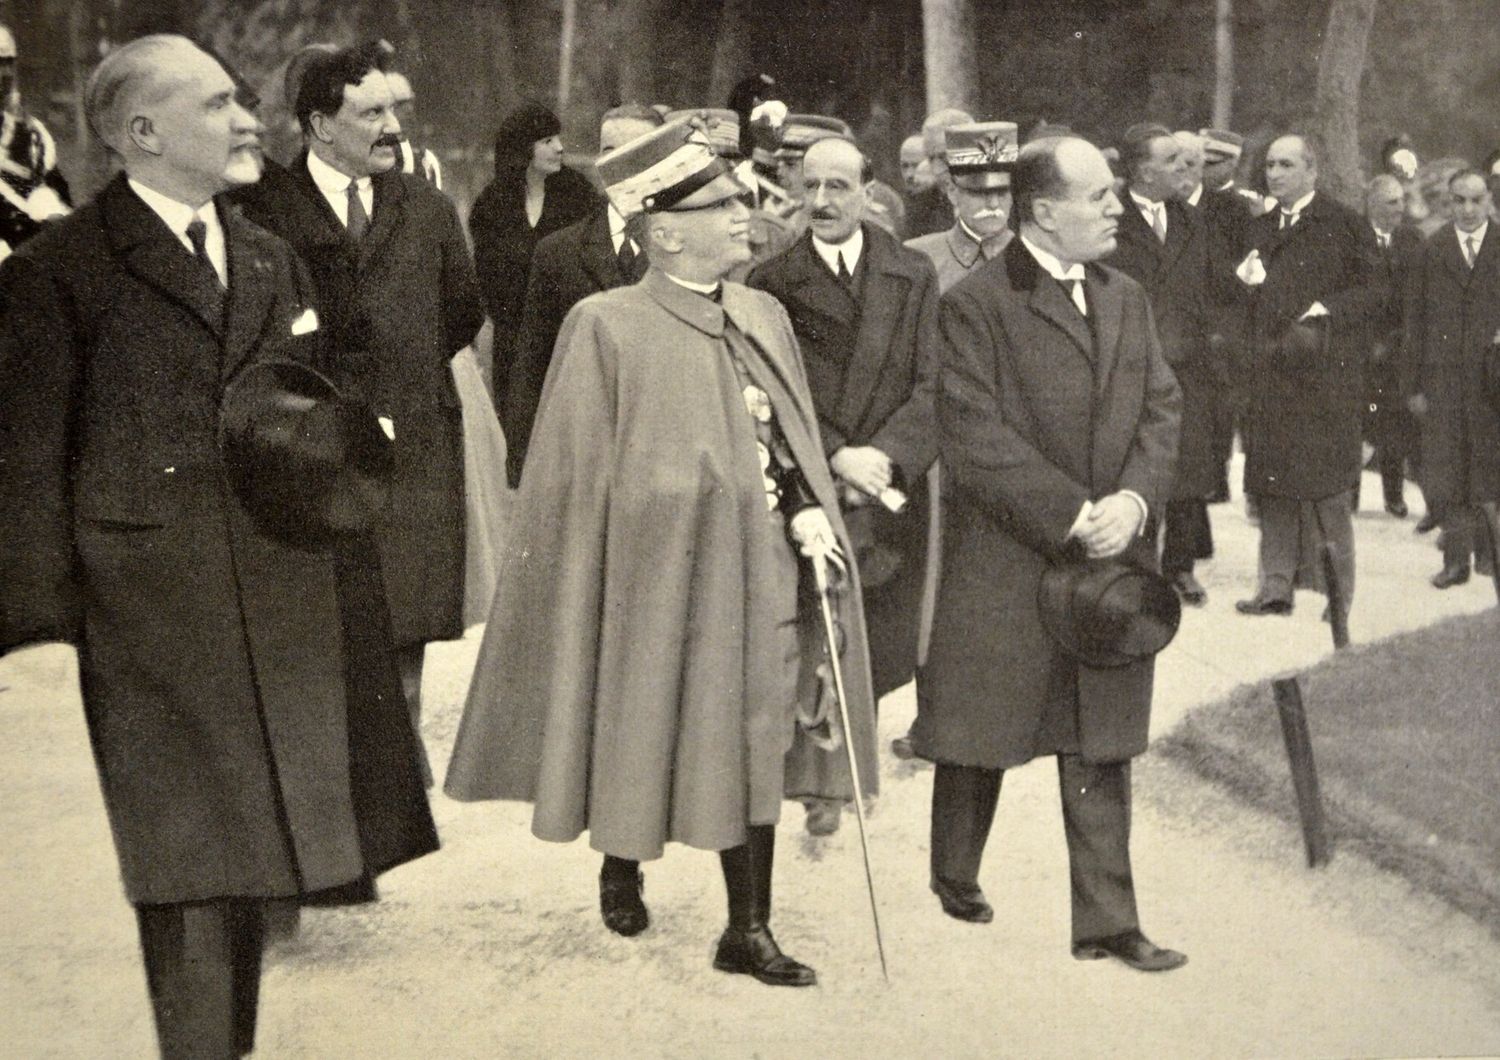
(651, 672)
(396, 283)
(864, 309)
(235, 704)
(1057, 426)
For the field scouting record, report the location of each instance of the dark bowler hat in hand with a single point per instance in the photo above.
(1108, 613)
(307, 463)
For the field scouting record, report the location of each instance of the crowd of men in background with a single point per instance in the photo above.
(242, 477)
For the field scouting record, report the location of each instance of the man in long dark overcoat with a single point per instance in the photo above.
(1057, 423)
(1453, 321)
(1312, 278)
(864, 309)
(235, 766)
(390, 264)
(591, 255)
(1163, 244)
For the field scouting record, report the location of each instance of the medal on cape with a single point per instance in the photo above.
(758, 403)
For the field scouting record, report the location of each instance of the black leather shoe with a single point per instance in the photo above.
(754, 952)
(621, 906)
(963, 901)
(1133, 948)
(1426, 524)
(1189, 589)
(1256, 606)
(1397, 509)
(1448, 577)
(823, 816)
(902, 749)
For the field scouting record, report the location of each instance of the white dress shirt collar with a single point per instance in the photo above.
(1053, 265)
(1477, 235)
(850, 248)
(335, 187)
(1197, 196)
(1297, 207)
(178, 215)
(701, 288)
(617, 229)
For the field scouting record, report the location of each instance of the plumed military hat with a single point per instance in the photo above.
(306, 462)
(1108, 613)
(660, 169)
(981, 155)
(801, 131)
(1221, 145)
(721, 125)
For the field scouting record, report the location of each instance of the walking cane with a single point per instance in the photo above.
(830, 632)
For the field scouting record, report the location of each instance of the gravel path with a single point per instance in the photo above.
(493, 946)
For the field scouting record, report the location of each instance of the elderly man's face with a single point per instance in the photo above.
(208, 140)
(1192, 165)
(712, 224)
(1160, 174)
(1085, 220)
(985, 211)
(1290, 172)
(1471, 202)
(364, 137)
(911, 159)
(834, 189)
(1384, 205)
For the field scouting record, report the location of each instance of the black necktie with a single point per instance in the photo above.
(197, 233)
(1288, 218)
(845, 276)
(626, 256)
(359, 220)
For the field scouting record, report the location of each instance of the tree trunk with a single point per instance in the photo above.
(948, 35)
(1223, 63)
(732, 48)
(1341, 64)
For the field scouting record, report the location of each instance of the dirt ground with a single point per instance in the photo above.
(493, 946)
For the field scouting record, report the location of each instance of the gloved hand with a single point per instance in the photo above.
(815, 539)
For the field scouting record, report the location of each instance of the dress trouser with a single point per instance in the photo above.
(1465, 535)
(1096, 822)
(203, 972)
(1292, 533)
(1187, 536)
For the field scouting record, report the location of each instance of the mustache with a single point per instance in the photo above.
(387, 140)
(1001, 214)
(821, 214)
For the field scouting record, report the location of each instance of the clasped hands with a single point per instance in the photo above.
(1106, 527)
(864, 467)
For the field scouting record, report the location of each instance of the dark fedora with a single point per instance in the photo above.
(308, 464)
(1107, 613)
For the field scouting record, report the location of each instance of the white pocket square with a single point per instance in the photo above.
(306, 323)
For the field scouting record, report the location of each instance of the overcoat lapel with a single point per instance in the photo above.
(332, 229)
(1050, 302)
(597, 252)
(883, 299)
(390, 214)
(1180, 222)
(1135, 230)
(810, 283)
(1107, 305)
(251, 293)
(1488, 261)
(151, 252)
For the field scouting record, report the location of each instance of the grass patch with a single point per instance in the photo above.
(1406, 736)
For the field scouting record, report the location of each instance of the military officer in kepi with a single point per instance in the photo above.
(652, 671)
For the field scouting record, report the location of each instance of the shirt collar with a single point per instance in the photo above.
(1145, 204)
(851, 248)
(174, 214)
(1197, 196)
(1477, 235)
(330, 181)
(705, 289)
(1300, 204)
(1054, 267)
(616, 220)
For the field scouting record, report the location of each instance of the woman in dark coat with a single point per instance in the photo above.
(531, 196)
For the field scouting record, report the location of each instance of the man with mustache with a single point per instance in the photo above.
(864, 309)
(32, 188)
(1313, 279)
(1163, 245)
(1057, 422)
(393, 273)
(233, 726)
(652, 662)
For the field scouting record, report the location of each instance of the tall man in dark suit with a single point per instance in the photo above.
(1312, 277)
(1163, 245)
(391, 268)
(592, 255)
(1453, 320)
(232, 724)
(1389, 425)
(1057, 425)
(864, 309)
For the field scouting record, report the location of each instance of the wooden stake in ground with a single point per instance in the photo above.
(1304, 773)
